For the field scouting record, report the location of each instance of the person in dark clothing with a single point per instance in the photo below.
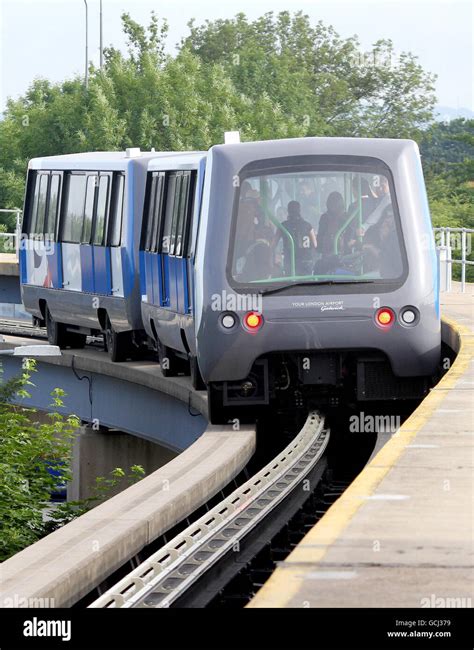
(381, 248)
(308, 200)
(367, 201)
(304, 238)
(251, 228)
(330, 224)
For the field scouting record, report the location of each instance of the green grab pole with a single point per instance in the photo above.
(281, 227)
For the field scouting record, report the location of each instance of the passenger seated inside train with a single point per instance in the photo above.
(303, 237)
(334, 241)
(251, 229)
(258, 263)
(381, 251)
(308, 200)
(330, 224)
(363, 196)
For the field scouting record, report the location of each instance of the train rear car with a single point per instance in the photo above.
(79, 248)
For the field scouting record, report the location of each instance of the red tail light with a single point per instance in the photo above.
(253, 321)
(385, 317)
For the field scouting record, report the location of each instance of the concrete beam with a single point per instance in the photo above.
(66, 565)
(98, 453)
(133, 397)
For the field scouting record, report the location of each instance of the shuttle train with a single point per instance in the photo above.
(285, 272)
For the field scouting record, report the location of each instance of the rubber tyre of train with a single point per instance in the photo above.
(59, 335)
(118, 344)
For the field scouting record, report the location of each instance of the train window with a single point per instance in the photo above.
(115, 226)
(181, 219)
(327, 223)
(72, 220)
(89, 209)
(157, 211)
(38, 224)
(178, 201)
(101, 210)
(34, 203)
(53, 205)
(186, 227)
(168, 213)
(151, 213)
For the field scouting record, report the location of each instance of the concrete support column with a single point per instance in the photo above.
(98, 452)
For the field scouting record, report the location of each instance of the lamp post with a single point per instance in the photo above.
(87, 46)
(101, 44)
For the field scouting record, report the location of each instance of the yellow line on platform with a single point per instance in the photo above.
(288, 578)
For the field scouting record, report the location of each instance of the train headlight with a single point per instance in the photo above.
(384, 317)
(253, 321)
(409, 316)
(228, 321)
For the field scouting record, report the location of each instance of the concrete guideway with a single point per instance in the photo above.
(402, 534)
(67, 564)
(9, 265)
(64, 566)
(131, 396)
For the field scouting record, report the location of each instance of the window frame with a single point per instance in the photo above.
(115, 210)
(163, 187)
(170, 195)
(54, 230)
(109, 179)
(69, 175)
(189, 214)
(94, 177)
(307, 163)
(159, 201)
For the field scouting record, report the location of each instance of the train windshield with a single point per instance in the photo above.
(316, 226)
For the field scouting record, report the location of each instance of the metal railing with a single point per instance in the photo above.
(13, 237)
(445, 237)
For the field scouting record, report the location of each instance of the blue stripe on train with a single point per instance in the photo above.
(55, 266)
(127, 272)
(142, 273)
(102, 275)
(23, 269)
(87, 268)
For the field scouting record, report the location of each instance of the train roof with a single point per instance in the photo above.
(386, 149)
(177, 160)
(97, 160)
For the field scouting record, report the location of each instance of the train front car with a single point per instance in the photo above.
(316, 275)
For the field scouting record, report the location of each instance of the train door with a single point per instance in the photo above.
(155, 279)
(101, 259)
(72, 226)
(180, 239)
(40, 254)
(86, 251)
(166, 240)
(113, 229)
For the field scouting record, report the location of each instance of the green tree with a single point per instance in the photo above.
(29, 452)
(326, 83)
(34, 458)
(278, 76)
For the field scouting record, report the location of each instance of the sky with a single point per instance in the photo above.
(46, 38)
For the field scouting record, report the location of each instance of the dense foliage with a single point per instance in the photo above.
(30, 451)
(35, 458)
(277, 76)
